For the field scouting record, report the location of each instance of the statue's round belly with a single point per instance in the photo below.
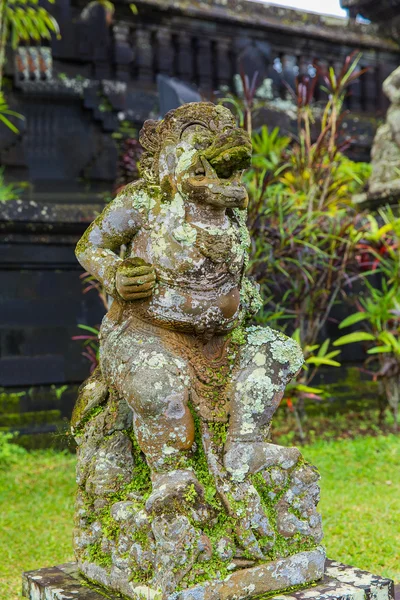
(194, 310)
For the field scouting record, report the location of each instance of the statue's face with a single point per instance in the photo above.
(206, 164)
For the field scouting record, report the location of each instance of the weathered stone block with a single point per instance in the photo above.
(340, 582)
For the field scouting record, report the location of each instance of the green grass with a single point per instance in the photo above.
(360, 491)
(36, 508)
(360, 507)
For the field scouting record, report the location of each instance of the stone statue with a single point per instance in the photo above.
(180, 493)
(385, 179)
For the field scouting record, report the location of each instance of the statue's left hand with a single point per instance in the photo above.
(135, 279)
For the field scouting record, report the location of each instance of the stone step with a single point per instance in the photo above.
(341, 582)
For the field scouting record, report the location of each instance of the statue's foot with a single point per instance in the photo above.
(245, 458)
(253, 528)
(242, 459)
(177, 489)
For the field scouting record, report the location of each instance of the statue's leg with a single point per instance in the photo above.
(157, 393)
(267, 362)
(155, 383)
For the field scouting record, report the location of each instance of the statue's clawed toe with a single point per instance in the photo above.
(245, 458)
(176, 491)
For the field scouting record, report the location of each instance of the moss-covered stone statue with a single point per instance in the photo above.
(384, 183)
(180, 493)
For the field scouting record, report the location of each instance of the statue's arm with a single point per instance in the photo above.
(97, 250)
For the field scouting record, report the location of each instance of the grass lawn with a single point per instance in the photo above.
(36, 507)
(360, 501)
(360, 507)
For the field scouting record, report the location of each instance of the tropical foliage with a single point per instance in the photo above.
(6, 113)
(21, 21)
(90, 337)
(305, 232)
(26, 21)
(10, 191)
(378, 315)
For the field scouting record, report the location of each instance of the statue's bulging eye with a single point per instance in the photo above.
(190, 127)
(197, 135)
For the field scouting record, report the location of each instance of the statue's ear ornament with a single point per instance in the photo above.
(149, 136)
(150, 139)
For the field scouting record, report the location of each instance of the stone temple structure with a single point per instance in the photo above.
(180, 494)
(384, 184)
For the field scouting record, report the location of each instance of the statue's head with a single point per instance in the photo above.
(198, 151)
(391, 87)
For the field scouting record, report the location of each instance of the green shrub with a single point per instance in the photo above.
(304, 229)
(10, 191)
(378, 307)
(9, 452)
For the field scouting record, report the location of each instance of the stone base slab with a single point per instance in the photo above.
(302, 568)
(340, 582)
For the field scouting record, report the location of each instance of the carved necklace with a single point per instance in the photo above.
(215, 244)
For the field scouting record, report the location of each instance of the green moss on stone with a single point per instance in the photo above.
(141, 475)
(90, 415)
(96, 555)
(110, 527)
(287, 591)
(282, 546)
(93, 585)
(238, 336)
(198, 461)
(219, 431)
(223, 525)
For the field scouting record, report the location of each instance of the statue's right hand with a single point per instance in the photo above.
(135, 279)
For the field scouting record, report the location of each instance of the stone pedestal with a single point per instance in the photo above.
(340, 582)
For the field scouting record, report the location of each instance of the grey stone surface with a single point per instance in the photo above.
(248, 583)
(384, 183)
(340, 582)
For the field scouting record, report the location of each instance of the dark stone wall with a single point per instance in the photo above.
(41, 305)
(40, 309)
(76, 92)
